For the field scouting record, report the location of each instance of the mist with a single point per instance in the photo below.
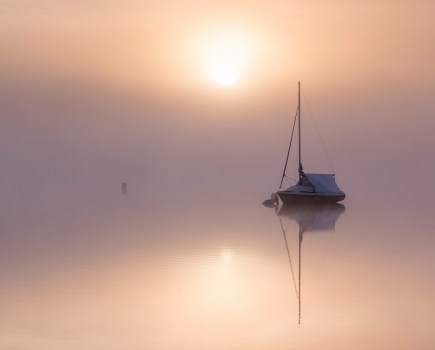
(94, 94)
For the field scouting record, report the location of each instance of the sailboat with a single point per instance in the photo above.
(311, 188)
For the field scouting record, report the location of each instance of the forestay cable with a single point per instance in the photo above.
(288, 152)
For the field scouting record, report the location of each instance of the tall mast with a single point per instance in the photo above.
(299, 129)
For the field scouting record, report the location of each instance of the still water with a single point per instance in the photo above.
(118, 271)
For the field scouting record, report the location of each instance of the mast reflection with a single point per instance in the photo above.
(310, 218)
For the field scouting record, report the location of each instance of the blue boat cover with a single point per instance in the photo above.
(324, 183)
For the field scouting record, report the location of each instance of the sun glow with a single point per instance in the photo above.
(226, 58)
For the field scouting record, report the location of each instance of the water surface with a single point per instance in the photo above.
(121, 271)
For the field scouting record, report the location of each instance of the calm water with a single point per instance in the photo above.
(94, 93)
(119, 271)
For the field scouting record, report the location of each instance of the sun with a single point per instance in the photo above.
(226, 58)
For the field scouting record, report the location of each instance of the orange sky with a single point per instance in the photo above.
(159, 44)
(74, 74)
(94, 93)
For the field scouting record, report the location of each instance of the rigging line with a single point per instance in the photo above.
(318, 132)
(290, 179)
(288, 255)
(288, 152)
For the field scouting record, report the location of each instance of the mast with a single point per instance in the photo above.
(297, 118)
(299, 129)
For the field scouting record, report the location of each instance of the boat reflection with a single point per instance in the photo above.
(310, 218)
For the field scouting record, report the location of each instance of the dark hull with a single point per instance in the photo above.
(309, 198)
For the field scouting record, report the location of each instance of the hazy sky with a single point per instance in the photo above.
(94, 93)
(191, 103)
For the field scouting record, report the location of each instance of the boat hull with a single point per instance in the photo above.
(309, 198)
